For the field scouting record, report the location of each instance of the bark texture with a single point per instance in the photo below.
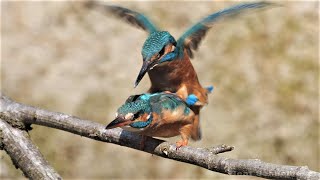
(24, 154)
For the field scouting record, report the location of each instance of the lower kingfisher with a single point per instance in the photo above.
(157, 115)
(167, 61)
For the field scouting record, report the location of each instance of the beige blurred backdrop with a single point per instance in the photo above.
(264, 67)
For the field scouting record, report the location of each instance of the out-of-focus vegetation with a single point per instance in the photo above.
(264, 66)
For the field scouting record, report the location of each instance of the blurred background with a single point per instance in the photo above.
(264, 66)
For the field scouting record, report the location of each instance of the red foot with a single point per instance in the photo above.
(181, 143)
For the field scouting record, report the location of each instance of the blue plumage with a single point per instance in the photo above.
(138, 110)
(155, 43)
(134, 107)
(157, 115)
(191, 99)
(141, 124)
(210, 89)
(193, 36)
(132, 17)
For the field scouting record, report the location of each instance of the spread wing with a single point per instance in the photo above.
(191, 39)
(134, 18)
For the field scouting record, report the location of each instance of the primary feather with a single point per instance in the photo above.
(132, 17)
(192, 37)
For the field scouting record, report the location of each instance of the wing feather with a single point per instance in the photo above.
(191, 39)
(132, 17)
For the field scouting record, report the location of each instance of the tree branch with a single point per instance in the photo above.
(203, 157)
(24, 154)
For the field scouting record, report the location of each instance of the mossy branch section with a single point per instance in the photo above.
(24, 154)
(203, 157)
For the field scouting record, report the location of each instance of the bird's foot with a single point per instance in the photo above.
(181, 143)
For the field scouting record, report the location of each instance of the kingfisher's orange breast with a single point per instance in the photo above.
(173, 75)
(168, 123)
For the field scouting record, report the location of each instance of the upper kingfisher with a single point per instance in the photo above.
(167, 61)
(158, 114)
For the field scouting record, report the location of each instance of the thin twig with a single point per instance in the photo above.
(202, 157)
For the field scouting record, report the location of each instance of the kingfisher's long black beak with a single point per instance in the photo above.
(144, 69)
(118, 122)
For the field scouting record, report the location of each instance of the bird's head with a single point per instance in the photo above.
(131, 113)
(155, 51)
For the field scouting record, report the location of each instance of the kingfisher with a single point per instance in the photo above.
(158, 115)
(167, 60)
